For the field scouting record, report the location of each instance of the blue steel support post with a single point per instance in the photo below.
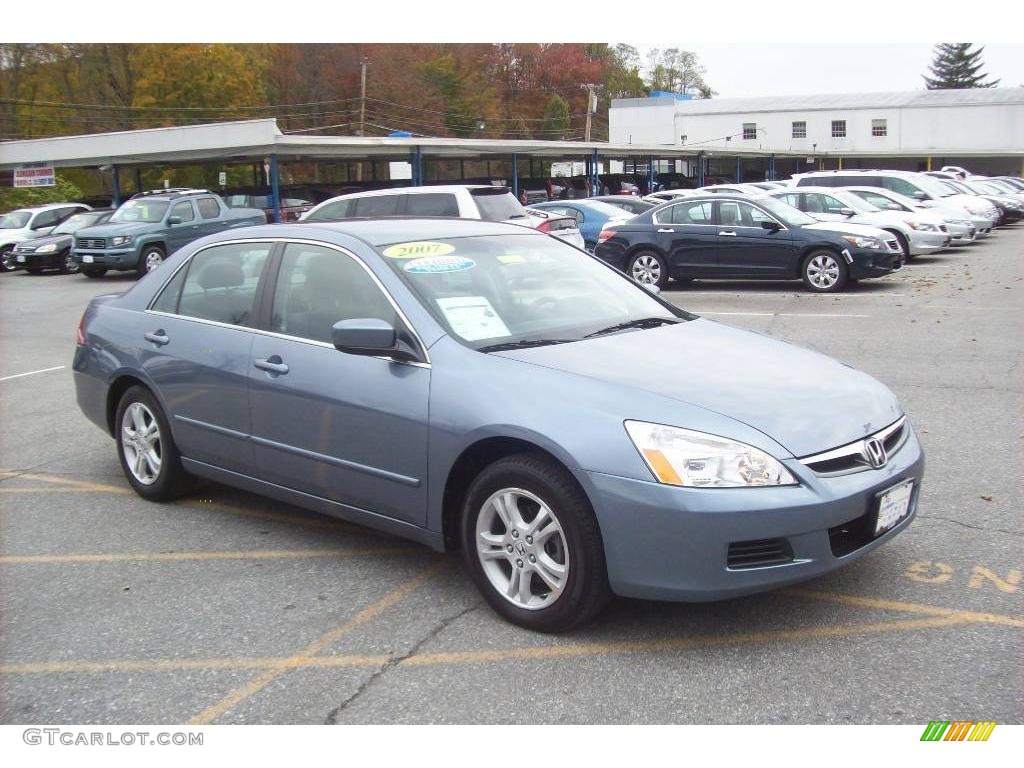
(275, 189)
(116, 188)
(515, 174)
(595, 184)
(650, 175)
(701, 168)
(417, 166)
(739, 170)
(138, 179)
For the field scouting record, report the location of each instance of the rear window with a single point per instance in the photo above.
(497, 204)
(339, 209)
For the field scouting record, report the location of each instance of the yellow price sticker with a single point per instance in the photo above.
(417, 249)
(512, 258)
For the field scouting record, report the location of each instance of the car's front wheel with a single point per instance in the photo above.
(68, 266)
(649, 268)
(149, 458)
(7, 262)
(824, 271)
(152, 257)
(532, 544)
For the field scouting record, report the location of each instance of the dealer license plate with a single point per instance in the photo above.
(21, 258)
(86, 259)
(893, 506)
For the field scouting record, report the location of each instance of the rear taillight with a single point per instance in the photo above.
(80, 335)
(544, 226)
(604, 234)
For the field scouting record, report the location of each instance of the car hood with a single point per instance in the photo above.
(37, 242)
(110, 230)
(848, 228)
(803, 400)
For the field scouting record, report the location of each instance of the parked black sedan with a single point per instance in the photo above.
(747, 238)
(53, 251)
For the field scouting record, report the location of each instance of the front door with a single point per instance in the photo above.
(186, 230)
(349, 428)
(746, 248)
(196, 347)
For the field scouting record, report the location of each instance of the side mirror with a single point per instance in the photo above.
(172, 220)
(847, 212)
(771, 226)
(372, 337)
(919, 195)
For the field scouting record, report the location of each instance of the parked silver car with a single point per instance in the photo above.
(961, 227)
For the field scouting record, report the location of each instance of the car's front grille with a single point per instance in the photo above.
(91, 242)
(856, 456)
(759, 553)
(851, 535)
(893, 245)
(25, 249)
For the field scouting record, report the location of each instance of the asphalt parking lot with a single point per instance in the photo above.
(230, 608)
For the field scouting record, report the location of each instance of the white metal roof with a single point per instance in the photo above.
(891, 99)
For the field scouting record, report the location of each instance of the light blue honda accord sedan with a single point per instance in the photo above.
(488, 388)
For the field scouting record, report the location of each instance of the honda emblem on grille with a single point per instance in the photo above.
(874, 452)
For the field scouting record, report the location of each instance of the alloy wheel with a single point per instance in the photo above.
(522, 548)
(140, 441)
(823, 270)
(646, 269)
(70, 265)
(153, 260)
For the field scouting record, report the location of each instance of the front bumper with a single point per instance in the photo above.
(668, 543)
(34, 260)
(922, 242)
(867, 262)
(111, 258)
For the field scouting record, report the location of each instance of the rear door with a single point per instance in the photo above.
(211, 217)
(746, 248)
(687, 235)
(195, 347)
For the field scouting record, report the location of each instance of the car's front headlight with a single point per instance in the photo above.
(121, 240)
(921, 226)
(863, 242)
(48, 248)
(697, 460)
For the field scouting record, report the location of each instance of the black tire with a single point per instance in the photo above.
(148, 253)
(829, 259)
(585, 590)
(6, 253)
(94, 271)
(636, 262)
(171, 481)
(68, 266)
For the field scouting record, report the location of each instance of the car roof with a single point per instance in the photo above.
(48, 206)
(383, 231)
(416, 190)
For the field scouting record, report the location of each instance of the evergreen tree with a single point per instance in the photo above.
(556, 118)
(956, 66)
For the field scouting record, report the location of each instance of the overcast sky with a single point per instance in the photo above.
(780, 69)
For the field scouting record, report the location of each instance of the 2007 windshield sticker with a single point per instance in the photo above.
(417, 249)
(438, 264)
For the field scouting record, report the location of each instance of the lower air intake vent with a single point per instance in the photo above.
(756, 554)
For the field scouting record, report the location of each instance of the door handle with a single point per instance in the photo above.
(666, 230)
(272, 364)
(157, 337)
(728, 234)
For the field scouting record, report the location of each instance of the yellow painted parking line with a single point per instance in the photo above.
(900, 605)
(68, 482)
(233, 699)
(275, 666)
(243, 554)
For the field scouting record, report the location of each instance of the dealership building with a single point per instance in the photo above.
(978, 128)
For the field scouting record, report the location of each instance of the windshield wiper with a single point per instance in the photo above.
(643, 322)
(523, 344)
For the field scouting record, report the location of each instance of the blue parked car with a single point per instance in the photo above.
(484, 387)
(590, 215)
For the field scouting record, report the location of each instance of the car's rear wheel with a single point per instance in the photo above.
(152, 257)
(149, 458)
(824, 271)
(7, 262)
(531, 542)
(94, 271)
(68, 266)
(649, 268)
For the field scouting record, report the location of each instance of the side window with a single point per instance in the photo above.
(317, 287)
(432, 204)
(757, 215)
(881, 201)
(66, 213)
(183, 211)
(897, 184)
(339, 209)
(811, 203)
(578, 215)
(221, 282)
(729, 214)
(208, 207)
(45, 219)
(377, 205)
(793, 200)
(167, 301)
(830, 204)
(688, 213)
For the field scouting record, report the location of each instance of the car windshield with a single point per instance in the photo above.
(856, 202)
(521, 290)
(15, 220)
(933, 186)
(149, 211)
(790, 216)
(76, 222)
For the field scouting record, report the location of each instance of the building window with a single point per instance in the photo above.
(799, 129)
(879, 128)
(750, 130)
(838, 129)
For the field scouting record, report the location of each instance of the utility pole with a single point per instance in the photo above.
(590, 110)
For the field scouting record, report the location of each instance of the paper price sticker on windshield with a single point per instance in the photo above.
(438, 264)
(417, 250)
